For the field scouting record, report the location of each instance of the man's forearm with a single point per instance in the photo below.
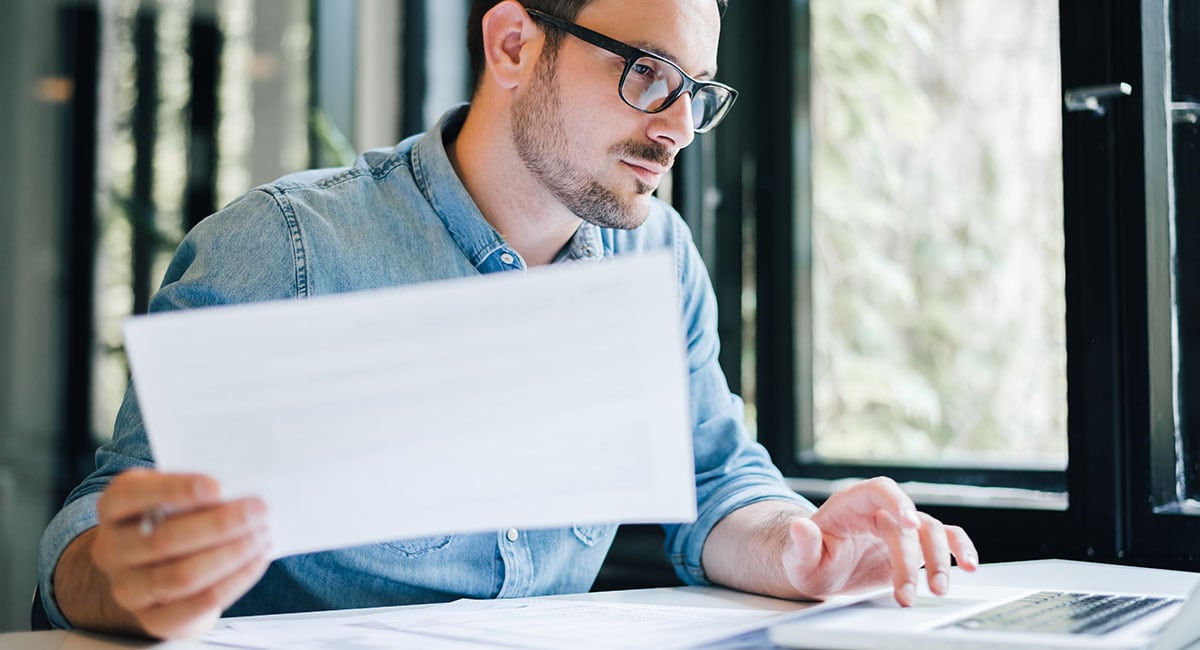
(83, 592)
(743, 550)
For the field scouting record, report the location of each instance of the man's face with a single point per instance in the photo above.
(598, 156)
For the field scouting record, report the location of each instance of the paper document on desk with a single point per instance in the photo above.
(537, 623)
(528, 400)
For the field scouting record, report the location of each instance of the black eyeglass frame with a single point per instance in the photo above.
(631, 55)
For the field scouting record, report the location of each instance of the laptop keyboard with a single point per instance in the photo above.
(1059, 612)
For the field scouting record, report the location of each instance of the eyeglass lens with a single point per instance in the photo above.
(650, 82)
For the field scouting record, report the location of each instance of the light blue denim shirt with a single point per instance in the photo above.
(401, 216)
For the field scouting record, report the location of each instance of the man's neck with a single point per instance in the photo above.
(510, 198)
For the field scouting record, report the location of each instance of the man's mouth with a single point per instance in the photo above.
(648, 172)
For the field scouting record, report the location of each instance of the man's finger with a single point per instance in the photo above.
(177, 580)
(963, 548)
(803, 552)
(936, 549)
(806, 540)
(138, 491)
(866, 498)
(184, 534)
(196, 614)
(904, 553)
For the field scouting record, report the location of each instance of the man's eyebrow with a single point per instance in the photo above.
(649, 47)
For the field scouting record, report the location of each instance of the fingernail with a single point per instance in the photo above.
(208, 488)
(938, 583)
(907, 594)
(910, 516)
(256, 506)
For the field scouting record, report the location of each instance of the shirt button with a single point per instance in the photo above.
(507, 258)
(511, 534)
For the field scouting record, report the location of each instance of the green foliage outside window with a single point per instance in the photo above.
(939, 324)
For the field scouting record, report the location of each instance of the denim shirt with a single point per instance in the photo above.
(401, 216)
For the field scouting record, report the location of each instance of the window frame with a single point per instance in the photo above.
(1163, 526)
(1185, 54)
(1117, 356)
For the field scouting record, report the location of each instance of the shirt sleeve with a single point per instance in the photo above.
(732, 471)
(127, 450)
(244, 253)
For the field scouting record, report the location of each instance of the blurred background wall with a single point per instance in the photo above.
(31, 294)
(125, 121)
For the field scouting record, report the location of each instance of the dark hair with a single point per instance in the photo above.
(565, 9)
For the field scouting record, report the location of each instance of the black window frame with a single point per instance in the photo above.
(1117, 356)
(1163, 526)
(1185, 39)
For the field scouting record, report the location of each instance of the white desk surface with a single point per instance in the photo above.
(1074, 575)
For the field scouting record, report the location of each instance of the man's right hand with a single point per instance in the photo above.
(168, 577)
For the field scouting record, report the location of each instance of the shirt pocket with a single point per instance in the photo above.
(418, 546)
(591, 534)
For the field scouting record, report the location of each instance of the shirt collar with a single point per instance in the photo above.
(444, 190)
(584, 246)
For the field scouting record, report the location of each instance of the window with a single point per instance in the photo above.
(950, 276)
(1184, 107)
(926, 205)
(1164, 525)
(189, 101)
(178, 109)
(938, 315)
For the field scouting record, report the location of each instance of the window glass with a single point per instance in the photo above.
(152, 152)
(938, 261)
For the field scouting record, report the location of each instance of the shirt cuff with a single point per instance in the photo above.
(72, 521)
(688, 548)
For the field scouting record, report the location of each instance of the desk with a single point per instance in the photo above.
(1079, 575)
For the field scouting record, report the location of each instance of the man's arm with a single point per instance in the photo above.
(754, 533)
(863, 537)
(168, 580)
(82, 592)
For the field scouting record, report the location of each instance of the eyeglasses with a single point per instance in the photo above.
(651, 83)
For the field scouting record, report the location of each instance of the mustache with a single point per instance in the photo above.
(648, 151)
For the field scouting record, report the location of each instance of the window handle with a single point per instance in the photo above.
(1088, 98)
(1185, 112)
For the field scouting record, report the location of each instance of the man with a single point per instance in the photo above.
(567, 135)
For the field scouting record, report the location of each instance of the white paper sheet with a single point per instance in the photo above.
(552, 624)
(351, 630)
(539, 623)
(524, 400)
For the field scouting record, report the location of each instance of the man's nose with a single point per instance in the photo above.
(674, 125)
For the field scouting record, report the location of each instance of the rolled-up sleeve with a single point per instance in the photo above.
(732, 471)
(128, 449)
(244, 253)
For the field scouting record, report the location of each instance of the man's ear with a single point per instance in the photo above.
(511, 42)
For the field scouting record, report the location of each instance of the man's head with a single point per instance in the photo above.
(597, 105)
(565, 9)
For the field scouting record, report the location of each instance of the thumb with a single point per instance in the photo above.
(804, 548)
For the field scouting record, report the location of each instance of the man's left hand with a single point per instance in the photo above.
(867, 535)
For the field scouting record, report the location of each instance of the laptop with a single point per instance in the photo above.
(989, 617)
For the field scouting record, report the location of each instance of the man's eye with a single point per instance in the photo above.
(642, 69)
